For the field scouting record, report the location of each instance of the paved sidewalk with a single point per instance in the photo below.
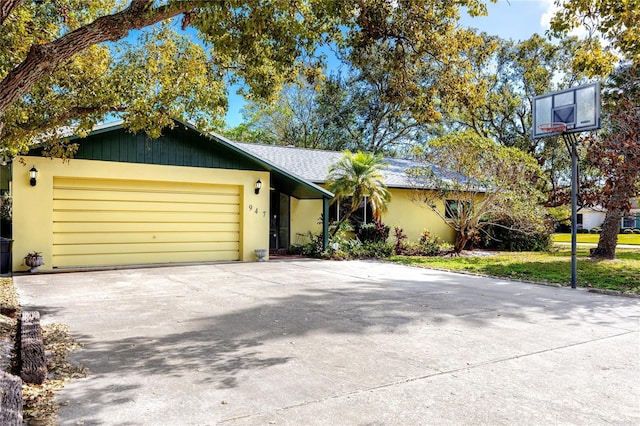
(309, 342)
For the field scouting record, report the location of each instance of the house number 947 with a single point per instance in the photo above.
(256, 211)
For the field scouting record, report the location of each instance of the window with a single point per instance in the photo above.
(364, 214)
(628, 222)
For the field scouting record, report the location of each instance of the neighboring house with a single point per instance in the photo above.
(126, 199)
(593, 217)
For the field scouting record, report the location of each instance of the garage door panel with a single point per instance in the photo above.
(114, 195)
(144, 206)
(144, 258)
(134, 248)
(144, 237)
(117, 221)
(144, 217)
(147, 186)
(61, 228)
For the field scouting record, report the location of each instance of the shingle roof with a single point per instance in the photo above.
(313, 164)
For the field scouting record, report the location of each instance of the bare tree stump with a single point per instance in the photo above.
(11, 400)
(33, 364)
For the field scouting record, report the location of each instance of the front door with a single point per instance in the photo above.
(279, 221)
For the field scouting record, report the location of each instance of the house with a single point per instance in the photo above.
(313, 165)
(593, 217)
(126, 199)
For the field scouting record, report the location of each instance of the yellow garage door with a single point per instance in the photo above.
(123, 222)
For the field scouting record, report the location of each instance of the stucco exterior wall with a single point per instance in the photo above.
(414, 218)
(33, 205)
(402, 212)
(304, 219)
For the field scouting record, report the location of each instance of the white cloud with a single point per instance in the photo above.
(550, 9)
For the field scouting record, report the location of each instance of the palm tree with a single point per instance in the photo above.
(358, 176)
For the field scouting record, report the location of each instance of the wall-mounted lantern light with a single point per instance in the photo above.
(258, 186)
(33, 174)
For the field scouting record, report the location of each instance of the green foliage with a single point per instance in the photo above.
(494, 184)
(6, 206)
(245, 133)
(614, 20)
(427, 246)
(373, 232)
(68, 62)
(501, 238)
(354, 249)
(357, 176)
(314, 248)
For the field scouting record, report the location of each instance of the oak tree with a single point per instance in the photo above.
(615, 21)
(72, 62)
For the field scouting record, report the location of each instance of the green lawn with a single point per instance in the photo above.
(593, 238)
(553, 267)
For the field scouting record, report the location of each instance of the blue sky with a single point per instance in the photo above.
(513, 19)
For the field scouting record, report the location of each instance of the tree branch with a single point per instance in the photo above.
(7, 7)
(44, 59)
(70, 114)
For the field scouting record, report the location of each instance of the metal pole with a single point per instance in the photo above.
(325, 222)
(574, 209)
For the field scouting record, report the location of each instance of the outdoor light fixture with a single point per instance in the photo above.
(258, 186)
(33, 174)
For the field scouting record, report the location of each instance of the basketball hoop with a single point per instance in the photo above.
(553, 127)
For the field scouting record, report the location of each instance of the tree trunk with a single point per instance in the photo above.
(609, 237)
(340, 222)
(462, 238)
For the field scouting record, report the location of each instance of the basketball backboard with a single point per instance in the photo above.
(578, 108)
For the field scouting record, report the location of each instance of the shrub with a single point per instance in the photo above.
(427, 246)
(431, 246)
(312, 249)
(500, 238)
(372, 250)
(636, 231)
(373, 232)
(401, 238)
(595, 230)
(628, 231)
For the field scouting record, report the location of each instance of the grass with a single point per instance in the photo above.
(622, 274)
(633, 239)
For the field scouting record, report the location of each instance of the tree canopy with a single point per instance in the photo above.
(72, 63)
(480, 183)
(614, 20)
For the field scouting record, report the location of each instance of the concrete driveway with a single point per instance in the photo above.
(309, 342)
